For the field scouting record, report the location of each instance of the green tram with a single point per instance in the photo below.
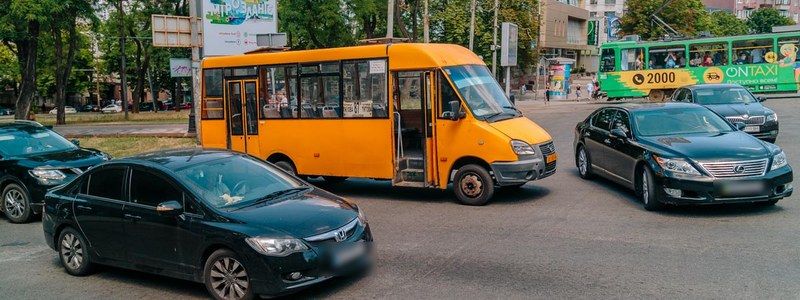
(764, 63)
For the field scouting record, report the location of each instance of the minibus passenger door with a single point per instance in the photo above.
(251, 118)
(235, 116)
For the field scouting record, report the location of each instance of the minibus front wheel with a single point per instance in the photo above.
(473, 185)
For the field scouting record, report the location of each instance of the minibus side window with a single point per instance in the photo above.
(319, 91)
(277, 101)
(364, 87)
(447, 94)
(211, 106)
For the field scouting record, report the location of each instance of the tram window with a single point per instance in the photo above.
(632, 59)
(751, 51)
(788, 47)
(607, 61)
(708, 55)
(667, 57)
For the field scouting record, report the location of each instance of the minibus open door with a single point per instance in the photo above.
(412, 130)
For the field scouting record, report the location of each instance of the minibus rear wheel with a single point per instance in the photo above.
(473, 185)
(286, 166)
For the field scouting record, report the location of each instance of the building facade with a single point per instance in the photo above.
(744, 8)
(564, 33)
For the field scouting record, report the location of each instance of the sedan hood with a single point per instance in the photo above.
(75, 158)
(300, 216)
(729, 110)
(735, 145)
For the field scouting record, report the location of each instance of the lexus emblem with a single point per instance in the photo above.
(341, 235)
(746, 117)
(738, 169)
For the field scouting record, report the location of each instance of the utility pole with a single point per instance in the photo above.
(390, 20)
(123, 69)
(494, 41)
(472, 24)
(425, 27)
(538, 47)
(194, 121)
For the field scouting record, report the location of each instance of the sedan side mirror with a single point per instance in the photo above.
(76, 142)
(619, 133)
(740, 125)
(455, 110)
(169, 207)
(761, 98)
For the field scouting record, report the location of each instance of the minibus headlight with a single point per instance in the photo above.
(522, 148)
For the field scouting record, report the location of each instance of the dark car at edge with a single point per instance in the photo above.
(680, 153)
(736, 104)
(34, 159)
(241, 226)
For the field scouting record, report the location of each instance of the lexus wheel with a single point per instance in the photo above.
(16, 204)
(473, 185)
(226, 277)
(650, 198)
(73, 252)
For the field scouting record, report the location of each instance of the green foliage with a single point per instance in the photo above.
(314, 24)
(763, 19)
(727, 24)
(687, 17)
(9, 69)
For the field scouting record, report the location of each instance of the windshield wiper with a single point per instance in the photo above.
(276, 194)
(514, 108)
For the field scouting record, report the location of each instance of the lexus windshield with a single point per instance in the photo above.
(679, 121)
(31, 140)
(480, 90)
(723, 95)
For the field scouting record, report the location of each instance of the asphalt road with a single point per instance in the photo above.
(562, 237)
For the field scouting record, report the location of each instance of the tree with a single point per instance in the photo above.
(314, 24)
(727, 24)
(687, 17)
(763, 19)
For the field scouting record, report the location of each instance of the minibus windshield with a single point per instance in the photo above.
(483, 95)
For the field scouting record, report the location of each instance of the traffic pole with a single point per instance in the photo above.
(194, 121)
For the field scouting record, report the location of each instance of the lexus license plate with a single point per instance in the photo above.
(743, 188)
(752, 128)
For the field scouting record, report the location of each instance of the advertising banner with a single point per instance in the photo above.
(180, 67)
(231, 26)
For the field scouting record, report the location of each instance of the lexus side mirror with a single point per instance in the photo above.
(76, 142)
(455, 110)
(169, 207)
(619, 133)
(740, 125)
(761, 98)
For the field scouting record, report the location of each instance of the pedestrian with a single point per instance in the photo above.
(578, 92)
(589, 89)
(547, 93)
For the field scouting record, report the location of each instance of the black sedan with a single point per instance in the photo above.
(34, 159)
(736, 104)
(680, 154)
(239, 225)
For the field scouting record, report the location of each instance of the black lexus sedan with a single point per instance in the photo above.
(241, 226)
(736, 104)
(680, 153)
(34, 159)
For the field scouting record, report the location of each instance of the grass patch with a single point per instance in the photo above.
(142, 117)
(127, 146)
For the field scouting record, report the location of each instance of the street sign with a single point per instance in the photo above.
(180, 67)
(232, 26)
(508, 44)
(172, 31)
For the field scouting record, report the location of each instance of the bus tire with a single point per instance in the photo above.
(473, 185)
(286, 166)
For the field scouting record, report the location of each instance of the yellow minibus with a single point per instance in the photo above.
(420, 115)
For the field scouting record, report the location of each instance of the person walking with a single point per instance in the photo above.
(547, 93)
(578, 92)
(589, 89)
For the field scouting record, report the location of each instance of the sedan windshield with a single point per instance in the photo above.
(237, 181)
(711, 96)
(481, 92)
(31, 140)
(679, 121)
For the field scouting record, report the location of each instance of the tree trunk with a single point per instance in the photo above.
(26, 57)
(63, 64)
(398, 17)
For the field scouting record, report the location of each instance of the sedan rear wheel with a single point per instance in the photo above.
(73, 252)
(16, 204)
(226, 277)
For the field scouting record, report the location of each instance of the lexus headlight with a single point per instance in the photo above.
(48, 176)
(522, 148)
(778, 161)
(677, 165)
(772, 118)
(276, 247)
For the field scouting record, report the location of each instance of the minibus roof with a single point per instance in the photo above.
(404, 56)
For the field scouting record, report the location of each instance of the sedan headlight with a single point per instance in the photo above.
(276, 247)
(772, 118)
(778, 161)
(362, 218)
(522, 148)
(48, 176)
(677, 165)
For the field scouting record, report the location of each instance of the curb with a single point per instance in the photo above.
(157, 135)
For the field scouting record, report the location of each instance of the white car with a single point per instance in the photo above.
(67, 110)
(113, 108)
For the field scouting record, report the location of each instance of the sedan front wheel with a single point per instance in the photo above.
(17, 204)
(226, 277)
(649, 191)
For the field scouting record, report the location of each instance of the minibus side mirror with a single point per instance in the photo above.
(455, 110)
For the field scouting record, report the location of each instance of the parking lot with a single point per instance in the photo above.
(561, 237)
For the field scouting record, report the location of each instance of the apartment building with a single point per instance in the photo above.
(744, 8)
(564, 33)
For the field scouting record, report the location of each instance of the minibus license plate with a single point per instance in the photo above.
(743, 188)
(752, 128)
(551, 158)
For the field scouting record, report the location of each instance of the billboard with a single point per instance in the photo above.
(508, 45)
(231, 26)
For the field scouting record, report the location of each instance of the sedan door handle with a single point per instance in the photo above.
(84, 207)
(132, 217)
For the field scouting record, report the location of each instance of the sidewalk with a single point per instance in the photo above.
(114, 130)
